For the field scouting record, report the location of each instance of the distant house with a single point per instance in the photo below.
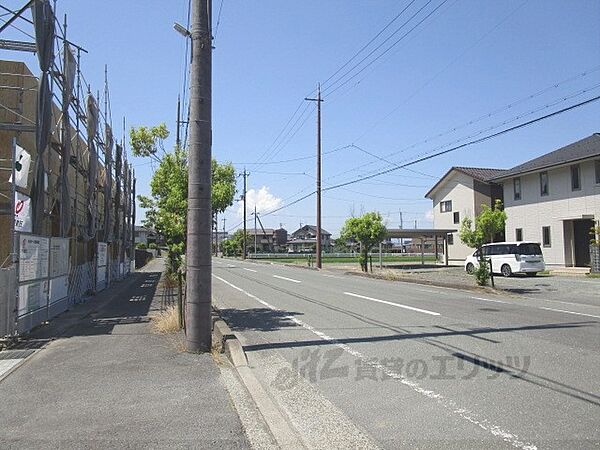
(145, 236)
(268, 240)
(304, 239)
(555, 200)
(459, 194)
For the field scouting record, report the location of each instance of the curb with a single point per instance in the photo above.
(228, 343)
(487, 289)
(225, 341)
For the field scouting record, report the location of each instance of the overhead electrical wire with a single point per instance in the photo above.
(439, 153)
(458, 147)
(328, 91)
(478, 119)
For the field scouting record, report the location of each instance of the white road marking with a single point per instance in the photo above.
(570, 312)
(287, 279)
(488, 300)
(428, 291)
(249, 270)
(444, 402)
(332, 276)
(398, 305)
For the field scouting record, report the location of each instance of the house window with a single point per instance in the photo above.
(519, 234)
(543, 183)
(456, 217)
(546, 236)
(597, 167)
(517, 188)
(446, 206)
(450, 239)
(575, 178)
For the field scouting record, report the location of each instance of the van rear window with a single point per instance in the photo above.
(529, 249)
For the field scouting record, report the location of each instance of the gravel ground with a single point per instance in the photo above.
(562, 288)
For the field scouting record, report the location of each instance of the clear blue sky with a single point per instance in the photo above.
(470, 58)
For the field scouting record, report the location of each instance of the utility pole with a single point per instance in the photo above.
(199, 270)
(401, 239)
(223, 237)
(255, 245)
(245, 249)
(318, 100)
(178, 140)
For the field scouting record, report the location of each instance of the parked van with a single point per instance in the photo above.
(510, 257)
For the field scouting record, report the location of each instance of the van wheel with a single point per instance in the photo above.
(470, 268)
(531, 274)
(506, 270)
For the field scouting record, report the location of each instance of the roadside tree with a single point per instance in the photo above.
(368, 230)
(488, 224)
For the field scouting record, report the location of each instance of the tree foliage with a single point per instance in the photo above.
(223, 186)
(166, 208)
(147, 141)
(488, 223)
(234, 246)
(368, 229)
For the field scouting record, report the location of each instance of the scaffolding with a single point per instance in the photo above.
(78, 194)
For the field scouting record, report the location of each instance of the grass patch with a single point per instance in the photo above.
(166, 321)
(592, 275)
(347, 259)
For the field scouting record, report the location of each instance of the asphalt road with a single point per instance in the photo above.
(359, 362)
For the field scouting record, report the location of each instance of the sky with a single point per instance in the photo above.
(441, 73)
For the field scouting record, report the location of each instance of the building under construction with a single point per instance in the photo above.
(67, 192)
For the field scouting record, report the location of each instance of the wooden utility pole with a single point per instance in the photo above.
(198, 257)
(318, 100)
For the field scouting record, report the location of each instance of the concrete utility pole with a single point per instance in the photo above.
(255, 244)
(198, 257)
(245, 249)
(178, 140)
(318, 100)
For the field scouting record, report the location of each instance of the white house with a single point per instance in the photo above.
(458, 194)
(304, 239)
(555, 200)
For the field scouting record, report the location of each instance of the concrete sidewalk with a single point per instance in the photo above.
(109, 381)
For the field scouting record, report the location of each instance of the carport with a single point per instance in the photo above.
(424, 234)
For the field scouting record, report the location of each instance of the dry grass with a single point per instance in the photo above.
(166, 321)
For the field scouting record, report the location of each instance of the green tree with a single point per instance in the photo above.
(368, 230)
(488, 224)
(235, 244)
(166, 209)
(147, 141)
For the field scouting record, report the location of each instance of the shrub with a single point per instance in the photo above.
(482, 274)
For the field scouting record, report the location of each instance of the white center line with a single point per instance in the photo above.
(445, 402)
(488, 300)
(249, 270)
(570, 312)
(424, 311)
(287, 279)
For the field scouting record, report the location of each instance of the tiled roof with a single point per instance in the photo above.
(585, 148)
(479, 173)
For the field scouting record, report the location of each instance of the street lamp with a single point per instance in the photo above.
(182, 30)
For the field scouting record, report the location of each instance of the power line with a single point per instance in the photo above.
(476, 141)
(369, 43)
(450, 64)
(386, 50)
(483, 117)
(218, 20)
